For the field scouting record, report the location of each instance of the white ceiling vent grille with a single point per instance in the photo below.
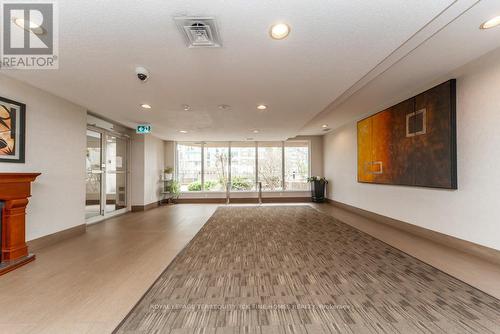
(199, 32)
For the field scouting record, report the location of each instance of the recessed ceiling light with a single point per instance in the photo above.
(262, 107)
(145, 106)
(183, 131)
(29, 26)
(279, 31)
(255, 131)
(491, 23)
(324, 126)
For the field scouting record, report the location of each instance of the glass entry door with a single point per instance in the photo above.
(106, 180)
(116, 173)
(93, 178)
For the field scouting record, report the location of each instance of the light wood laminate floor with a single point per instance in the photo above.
(89, 283)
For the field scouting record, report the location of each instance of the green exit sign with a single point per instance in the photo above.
(143, 128)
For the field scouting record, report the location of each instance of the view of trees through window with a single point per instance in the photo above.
(216, 166)
(270, 162)
(189, 166)
(243, 164)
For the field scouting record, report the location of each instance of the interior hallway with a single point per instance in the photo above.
(88, 284)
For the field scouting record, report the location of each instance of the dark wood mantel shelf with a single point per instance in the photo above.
(15, 189)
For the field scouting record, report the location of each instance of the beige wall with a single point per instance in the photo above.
(55, 147)
(469, 213)
(137, 166)
(154, 165)
(169, 154)
(147, 164)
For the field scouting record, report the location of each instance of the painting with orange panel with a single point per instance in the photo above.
(381, 138)
(364, 150)
(412, 143)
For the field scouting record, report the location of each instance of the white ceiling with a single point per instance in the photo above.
(335, 49)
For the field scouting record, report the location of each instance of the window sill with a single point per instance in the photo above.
(245, 192)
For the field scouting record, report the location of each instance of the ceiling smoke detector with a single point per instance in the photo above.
(199, 32)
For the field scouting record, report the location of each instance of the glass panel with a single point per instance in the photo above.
(243, 166)
(270, 164)
(296, 165)
(116, 176)
(189, 166)
(94, 175)
(216, 166)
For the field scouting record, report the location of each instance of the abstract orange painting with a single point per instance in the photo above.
(412, 143)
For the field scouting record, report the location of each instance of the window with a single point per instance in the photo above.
(243, 166)
(270, 156)
(278, 165)
(296, 165)
(215, 166)
(189, 166)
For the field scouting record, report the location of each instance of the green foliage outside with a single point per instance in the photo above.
(196, 185)
(240, 183)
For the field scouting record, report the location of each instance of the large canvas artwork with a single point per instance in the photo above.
(412, 143)
(12, 131)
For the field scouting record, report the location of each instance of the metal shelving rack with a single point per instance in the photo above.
(166, 184)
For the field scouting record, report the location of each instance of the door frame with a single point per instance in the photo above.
(104, 136)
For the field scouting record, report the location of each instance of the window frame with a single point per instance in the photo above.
(309, 159)
(256, 172)
(176, 155)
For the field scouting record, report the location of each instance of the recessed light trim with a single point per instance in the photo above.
(183, 131)
(146, 106)
(324, 126)
(279, 31)
(494, 22)
(262, 107)
(255, 131)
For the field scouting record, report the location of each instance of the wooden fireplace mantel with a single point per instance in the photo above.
(15, 189)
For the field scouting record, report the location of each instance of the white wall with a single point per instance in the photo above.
(469, 213)
(137, 165)
(154, 165)
(147, 164)
(170, 154)
(55, 146)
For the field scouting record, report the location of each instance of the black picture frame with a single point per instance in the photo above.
(20, 144)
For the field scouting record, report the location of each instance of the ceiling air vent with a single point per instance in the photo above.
(199, 32)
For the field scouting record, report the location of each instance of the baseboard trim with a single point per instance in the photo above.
(48, 240)
(139, 208)
(482, 252)
(242, 200)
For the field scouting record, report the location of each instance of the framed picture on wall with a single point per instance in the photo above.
(12, 130)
